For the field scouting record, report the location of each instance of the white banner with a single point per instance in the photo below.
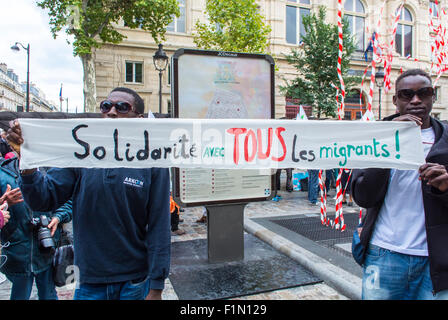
(220, 143)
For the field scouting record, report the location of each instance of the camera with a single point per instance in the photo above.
(43, 233)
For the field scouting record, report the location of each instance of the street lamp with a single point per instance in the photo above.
(160, 62)
(16, 48)
(379, 80)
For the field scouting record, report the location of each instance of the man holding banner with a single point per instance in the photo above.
(95, 151)
(121, 217)
(405, 230)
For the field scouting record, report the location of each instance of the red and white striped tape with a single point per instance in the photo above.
(323, 200)
(374, 60)
(439, 46)
(339, 67)
(339, 217)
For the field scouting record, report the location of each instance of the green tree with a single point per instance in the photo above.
(234, 25)
(91, 23)
(316, 63)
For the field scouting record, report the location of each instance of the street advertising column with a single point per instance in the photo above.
(221, 85)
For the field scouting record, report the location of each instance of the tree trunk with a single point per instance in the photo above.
(89, 89)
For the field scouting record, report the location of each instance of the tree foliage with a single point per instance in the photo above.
(91, 21)
(316, 65)
(234, 25)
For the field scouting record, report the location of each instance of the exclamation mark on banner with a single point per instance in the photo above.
(397, 144)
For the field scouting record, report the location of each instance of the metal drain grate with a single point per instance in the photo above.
(311, 228)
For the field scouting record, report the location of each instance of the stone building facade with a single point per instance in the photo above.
(13, 94)
(130, 63)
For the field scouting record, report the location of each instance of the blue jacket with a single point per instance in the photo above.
(121, 219)
(18, 237)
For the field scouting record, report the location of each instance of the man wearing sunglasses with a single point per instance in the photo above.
(121, 217)
(405, 229)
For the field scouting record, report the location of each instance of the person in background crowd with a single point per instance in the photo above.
(4, 218)
(313, 186)
(5, 149)
(175, 211)
(288, 187)
(405, 229)
(330, 179)
(27, 260)
(345, 185)
(121, 231)
(9, 198)
(4, 215)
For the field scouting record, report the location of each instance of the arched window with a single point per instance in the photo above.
(354, 12)
(404, 35)
(295, 11)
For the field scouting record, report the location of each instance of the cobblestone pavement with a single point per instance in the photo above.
(292, 203)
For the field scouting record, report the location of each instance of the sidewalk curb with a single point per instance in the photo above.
(344, 282)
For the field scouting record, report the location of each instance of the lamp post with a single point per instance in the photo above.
(16, 48)
(379, 80)
(160, 62)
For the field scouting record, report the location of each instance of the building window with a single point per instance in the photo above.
(404, 35)
(135, 20)
(355, 105)
(436, 93)
(178, 24)
(354, 12)
(434, 8)
(134, 72)
(295, 11)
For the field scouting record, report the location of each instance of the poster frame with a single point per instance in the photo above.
(175, 174)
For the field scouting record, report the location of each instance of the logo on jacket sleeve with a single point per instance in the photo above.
(133, 182)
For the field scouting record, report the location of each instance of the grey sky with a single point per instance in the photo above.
(51, 60)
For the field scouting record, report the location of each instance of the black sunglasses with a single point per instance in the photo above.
(408, 94)
(121, 107)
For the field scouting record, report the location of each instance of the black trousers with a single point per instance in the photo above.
(175, 220)
(288, 179)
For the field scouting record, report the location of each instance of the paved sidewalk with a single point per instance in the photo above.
(338, 284)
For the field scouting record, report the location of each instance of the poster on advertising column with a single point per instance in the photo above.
(221, 85)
